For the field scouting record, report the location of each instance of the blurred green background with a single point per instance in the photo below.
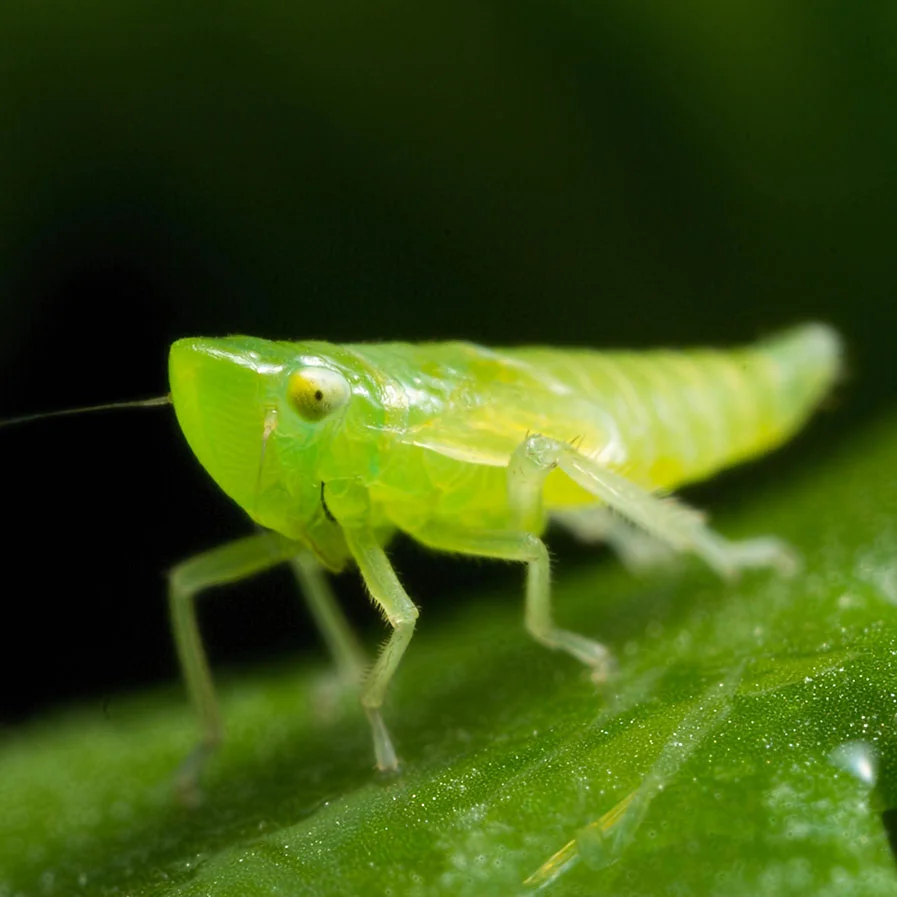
(570, 173)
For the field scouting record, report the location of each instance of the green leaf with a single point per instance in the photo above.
(746, 746)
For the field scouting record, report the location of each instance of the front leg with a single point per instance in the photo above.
(227, 563)
(399, 610)
(347, 653)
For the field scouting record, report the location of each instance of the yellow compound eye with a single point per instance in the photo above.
(316, 393)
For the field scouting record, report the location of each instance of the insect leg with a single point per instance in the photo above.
(639, 551)
(681, 527)
(529, 549)
(227, 563)
(341, 641)
(399, 610)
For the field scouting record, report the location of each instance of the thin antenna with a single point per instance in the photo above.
(109, 406)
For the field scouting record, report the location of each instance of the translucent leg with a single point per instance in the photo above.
(681, 527)
(228, 563)
(343, 645)
(639, 551)
(400, 612)
(529, 549)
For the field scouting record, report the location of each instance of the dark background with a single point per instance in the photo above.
(568, 173)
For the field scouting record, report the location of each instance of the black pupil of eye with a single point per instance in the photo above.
(318, 395)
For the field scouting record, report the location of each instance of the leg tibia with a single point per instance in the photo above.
(729, 557)
(331, 621)
(400, 612)
(529, 549)
(637, 550)
(228, 563)
(666, 519)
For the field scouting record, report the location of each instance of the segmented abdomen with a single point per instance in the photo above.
(683, 415)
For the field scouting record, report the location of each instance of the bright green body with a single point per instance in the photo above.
(334, 448)
(431, 427)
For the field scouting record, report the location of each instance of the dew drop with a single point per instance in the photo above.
(859, 758)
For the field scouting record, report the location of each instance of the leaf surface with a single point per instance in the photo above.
(747, 744)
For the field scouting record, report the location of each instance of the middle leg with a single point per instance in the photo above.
(529, 549)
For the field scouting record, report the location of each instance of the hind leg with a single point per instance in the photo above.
(637, 550)
(680, 527)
